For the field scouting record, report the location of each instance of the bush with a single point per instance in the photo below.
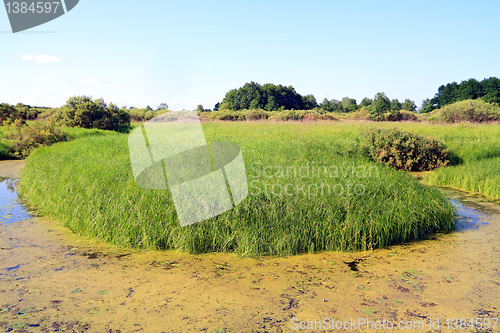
(4, 151)
(361, 114)
(227, 115)
(7, 112)
(474, 111)
(402, 115)
(255, 114)
(406, 151)
(82, 111)
(283, 115)
(328, 116)
(24, 138)
(304, 115)
(27, 112)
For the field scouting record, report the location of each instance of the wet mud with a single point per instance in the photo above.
(54, 281)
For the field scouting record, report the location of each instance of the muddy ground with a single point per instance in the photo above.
(54, 281)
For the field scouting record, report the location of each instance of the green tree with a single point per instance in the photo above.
(366, 102)
(427, 106)
(488, 90)
(271, 104)
(331, 105)
(409, 105)
(268, 96)
(254, 104)
(381, 104)
(162, 106)
(82, 111)
(199, 108)
(309, 102)
(349, 104)
(395, 105)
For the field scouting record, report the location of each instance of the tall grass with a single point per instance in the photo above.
(481, 177)
(88, 185)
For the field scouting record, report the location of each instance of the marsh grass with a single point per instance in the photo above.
(87, 184)
(482, 177)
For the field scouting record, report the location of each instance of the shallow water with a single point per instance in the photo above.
(52, 281)
(11, 209)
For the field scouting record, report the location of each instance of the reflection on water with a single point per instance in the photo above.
(472, 210)
(11, 209)
(468, 218)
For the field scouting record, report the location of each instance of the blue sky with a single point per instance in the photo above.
(185, 53)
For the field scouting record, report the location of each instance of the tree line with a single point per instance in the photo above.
(83, 111)
(487, 89)
(270, 97)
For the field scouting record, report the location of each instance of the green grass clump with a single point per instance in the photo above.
(310, 189)
(482, 177)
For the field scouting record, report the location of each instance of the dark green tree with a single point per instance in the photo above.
(395, 105)
(427, 106)
(366, 102)
(309, 102)
(381, 104)
(488, 90)
(349, 104)
(409, 105)
(82, 111)
(268, 96)
(331, 106)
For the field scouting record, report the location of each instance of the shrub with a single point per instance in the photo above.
(406, 151)
(4, 151)
(24, 138)
(306, 115)
(27, 112)
(228, 115)
(7, 112)
(255, 114)
(82, 111)
(402, 115)
(46, 114)
(475, 111)
(361, 114)
(284, 115)
(328, 116)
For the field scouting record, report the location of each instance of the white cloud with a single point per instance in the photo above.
(40, 79)
(95, 80)
(43, 58)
